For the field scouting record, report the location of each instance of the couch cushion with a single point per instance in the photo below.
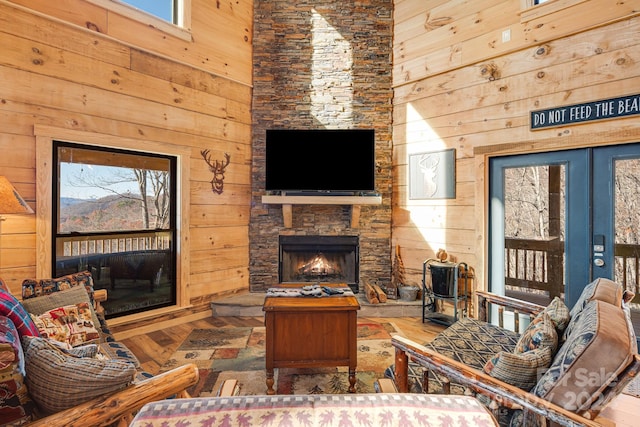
(473, 342)
(600, 289)
(71, 324)
(58, 380)
(540, 333)
(598, 348)
(15, 405)
(469, 341)
(520, 369)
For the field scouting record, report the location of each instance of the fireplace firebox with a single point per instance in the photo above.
(319, 259)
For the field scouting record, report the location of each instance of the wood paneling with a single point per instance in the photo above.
(213, 46)
(457, 84)
(75, 71)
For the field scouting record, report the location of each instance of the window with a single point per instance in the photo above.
(164, 9)
(170, 16)
(525, 4)
(115, 215)
(534, 9)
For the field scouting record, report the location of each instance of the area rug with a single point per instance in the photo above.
(633, 388)
(239, 353)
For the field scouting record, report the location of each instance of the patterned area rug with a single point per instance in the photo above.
(238, 353)
(633, 388)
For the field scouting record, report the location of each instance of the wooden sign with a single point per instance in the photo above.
(589, 111)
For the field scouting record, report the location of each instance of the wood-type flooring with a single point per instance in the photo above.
(153, 349)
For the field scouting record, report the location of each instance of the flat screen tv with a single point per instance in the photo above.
(320, 161)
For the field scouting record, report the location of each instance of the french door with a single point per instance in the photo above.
(560, 219)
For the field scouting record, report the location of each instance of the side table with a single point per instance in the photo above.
(308, 331)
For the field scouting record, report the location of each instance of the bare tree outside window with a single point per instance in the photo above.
(115, 216)
(534, 229)
(111, 198)
(627, 223)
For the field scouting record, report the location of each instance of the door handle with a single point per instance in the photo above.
(598, 262)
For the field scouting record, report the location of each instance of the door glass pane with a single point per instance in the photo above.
(627, 232)
(534, 232)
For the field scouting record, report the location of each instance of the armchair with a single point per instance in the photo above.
(594, 358)
(46, 381)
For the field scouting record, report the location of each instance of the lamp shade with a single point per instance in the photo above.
(10, 200)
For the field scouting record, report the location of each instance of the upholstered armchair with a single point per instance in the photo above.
(61, 366)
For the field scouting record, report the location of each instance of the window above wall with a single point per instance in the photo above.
(532, 9)
(169, 10)
(170, 16)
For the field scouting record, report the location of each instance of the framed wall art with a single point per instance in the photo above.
(432, 175)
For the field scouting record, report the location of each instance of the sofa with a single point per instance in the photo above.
(336, 410)
(61, 366)
(565, 365)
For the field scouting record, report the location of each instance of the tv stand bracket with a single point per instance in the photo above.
(355, 201)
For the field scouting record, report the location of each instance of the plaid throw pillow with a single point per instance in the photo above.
(520, 369)
(58, 380)
(10, 307)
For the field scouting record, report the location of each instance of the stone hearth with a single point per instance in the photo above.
(250, 305)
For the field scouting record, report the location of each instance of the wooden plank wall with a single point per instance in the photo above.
(457, 84)
(78, 67)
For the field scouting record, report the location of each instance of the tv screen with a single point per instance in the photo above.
(320, 161)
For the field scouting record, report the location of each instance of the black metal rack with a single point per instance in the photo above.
(445, 278)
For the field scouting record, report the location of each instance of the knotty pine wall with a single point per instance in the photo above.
(458, 85)
(76, 70)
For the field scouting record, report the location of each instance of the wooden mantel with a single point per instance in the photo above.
(354, 201)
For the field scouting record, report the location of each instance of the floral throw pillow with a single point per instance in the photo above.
(71, 324)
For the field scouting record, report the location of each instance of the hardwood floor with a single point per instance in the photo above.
(153, 349)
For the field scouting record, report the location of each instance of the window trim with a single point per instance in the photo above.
(45, 135)
(531, 11)
(180, 30)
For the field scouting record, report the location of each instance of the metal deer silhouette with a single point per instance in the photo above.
(217, 168)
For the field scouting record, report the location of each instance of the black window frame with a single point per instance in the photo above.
(172, 230)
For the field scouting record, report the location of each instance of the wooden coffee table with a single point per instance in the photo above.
(310, 331)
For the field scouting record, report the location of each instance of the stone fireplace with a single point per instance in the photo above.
(322, 65)
(319, 259)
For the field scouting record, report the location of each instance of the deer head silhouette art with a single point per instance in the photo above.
(428, 164)
(217, 168)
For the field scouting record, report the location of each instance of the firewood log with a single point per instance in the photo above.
(370, 294)
(382, 295)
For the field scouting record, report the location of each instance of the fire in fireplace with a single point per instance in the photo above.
(325, 259)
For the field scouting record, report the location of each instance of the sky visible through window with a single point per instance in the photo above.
(75, 179)
(159, 8)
